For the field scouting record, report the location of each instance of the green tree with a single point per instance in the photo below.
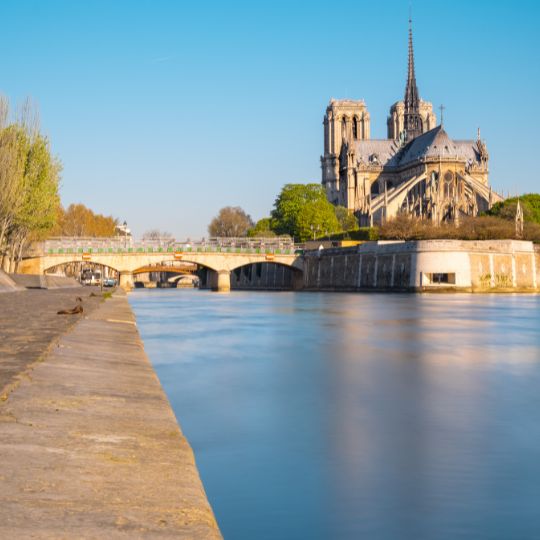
(347, 220)
(29, 180)
(262, 229)
(507, 208)
(38, 211)
(303, 211)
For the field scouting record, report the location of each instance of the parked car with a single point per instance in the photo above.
(109, 282)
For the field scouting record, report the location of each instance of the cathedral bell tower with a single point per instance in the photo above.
(346, 121)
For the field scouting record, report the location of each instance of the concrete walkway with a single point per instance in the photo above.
(90, 448)
(29, 326)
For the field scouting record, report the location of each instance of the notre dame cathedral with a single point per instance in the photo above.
(418, 170)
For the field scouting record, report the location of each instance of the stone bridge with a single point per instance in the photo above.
(220, 258)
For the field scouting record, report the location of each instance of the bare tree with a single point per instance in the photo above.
(231, 221)
(156, 234)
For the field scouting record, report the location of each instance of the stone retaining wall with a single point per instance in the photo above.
(507, 265)
(44, 281)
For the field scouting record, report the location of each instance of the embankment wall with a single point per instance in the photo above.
(477, 266)
(44, 281)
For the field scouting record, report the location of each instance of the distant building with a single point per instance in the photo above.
(122, 229)
(418, 170)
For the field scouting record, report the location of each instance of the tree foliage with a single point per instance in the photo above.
(29, 180)
(262, 229)
(231, 221)
(347, 221)
(530, 204)
(303, 211)
(78, 220)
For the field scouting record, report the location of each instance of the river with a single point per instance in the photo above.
(356, 416)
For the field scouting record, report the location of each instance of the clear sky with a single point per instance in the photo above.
(163, 111)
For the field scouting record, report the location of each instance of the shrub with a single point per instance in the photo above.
(470, 228)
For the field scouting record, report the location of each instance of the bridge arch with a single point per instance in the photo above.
(77, 269)
(267, 275)
(75, 261)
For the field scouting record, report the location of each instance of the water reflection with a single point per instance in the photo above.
(356, 416)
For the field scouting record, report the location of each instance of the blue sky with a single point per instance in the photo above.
(164, 111)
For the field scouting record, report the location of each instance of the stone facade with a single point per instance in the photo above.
(418, 170)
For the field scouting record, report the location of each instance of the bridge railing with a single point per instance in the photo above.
(121, 245)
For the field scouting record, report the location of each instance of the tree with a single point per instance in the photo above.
(262, 229)
(29, 180)
(347, 220)
(231, 221)
(507, 208)
(38, 210)
(78, 220)
(303, 211)
(155, 234)
(11, 182)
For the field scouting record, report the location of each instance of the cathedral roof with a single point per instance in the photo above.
(433, 144)
(375, 151)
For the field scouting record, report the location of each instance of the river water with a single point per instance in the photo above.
(356, 416)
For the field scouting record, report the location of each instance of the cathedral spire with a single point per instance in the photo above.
(413, 120)
(411, 90)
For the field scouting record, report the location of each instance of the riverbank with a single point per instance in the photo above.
(29, 326)
(89, 444)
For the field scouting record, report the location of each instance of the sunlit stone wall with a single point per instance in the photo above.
(506, 265)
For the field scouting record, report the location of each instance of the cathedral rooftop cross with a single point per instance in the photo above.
(442, 109)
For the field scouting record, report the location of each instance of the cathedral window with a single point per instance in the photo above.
(355, 128)
(448, 184)
(344, 128)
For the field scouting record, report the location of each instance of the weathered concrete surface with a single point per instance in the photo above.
(42, 281)
(7, 284)
(90, 447)
(29, 325)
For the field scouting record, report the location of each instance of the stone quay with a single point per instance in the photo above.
(90, 446)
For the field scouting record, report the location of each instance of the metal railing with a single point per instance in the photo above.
(126, 245)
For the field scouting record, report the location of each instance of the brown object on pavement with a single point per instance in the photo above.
(73, 311)
(77, 309)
